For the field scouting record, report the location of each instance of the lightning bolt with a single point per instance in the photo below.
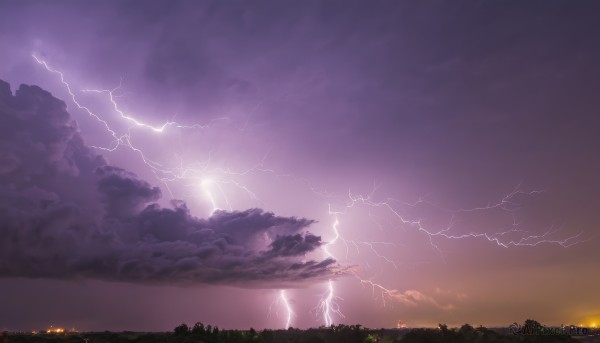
(328, 305)
(164, 174)
(507, 204)
(117, 139)
(288, 308)
(282, 301)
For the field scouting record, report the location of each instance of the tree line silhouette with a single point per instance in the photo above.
(200, 333)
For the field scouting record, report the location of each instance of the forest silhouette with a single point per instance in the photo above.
(531, 331)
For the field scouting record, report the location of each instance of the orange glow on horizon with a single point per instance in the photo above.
(55, 330)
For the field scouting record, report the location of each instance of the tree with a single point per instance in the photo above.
(182, 330)
(198, 329)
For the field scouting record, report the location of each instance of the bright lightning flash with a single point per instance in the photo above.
(205, 184)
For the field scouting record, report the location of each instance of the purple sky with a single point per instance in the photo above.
(452, 145)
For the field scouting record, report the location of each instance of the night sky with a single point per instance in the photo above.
(353, 161)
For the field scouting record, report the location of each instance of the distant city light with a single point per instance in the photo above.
(53, 330)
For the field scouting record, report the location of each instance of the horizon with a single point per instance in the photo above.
(274, 165)
(52, 329)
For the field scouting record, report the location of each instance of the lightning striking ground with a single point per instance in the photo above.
(328, 304)
(288, 308)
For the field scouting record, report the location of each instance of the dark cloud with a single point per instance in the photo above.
(123, 193)
(66, 213)
(294, 245)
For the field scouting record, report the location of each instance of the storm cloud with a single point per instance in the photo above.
(65, 213)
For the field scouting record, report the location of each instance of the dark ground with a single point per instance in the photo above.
(340, 333)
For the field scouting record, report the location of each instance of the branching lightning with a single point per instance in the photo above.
(507, 204)
(164, 174)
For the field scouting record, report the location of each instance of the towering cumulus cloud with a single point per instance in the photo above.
(65, 213)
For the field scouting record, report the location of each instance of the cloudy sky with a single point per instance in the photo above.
(240, 162)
